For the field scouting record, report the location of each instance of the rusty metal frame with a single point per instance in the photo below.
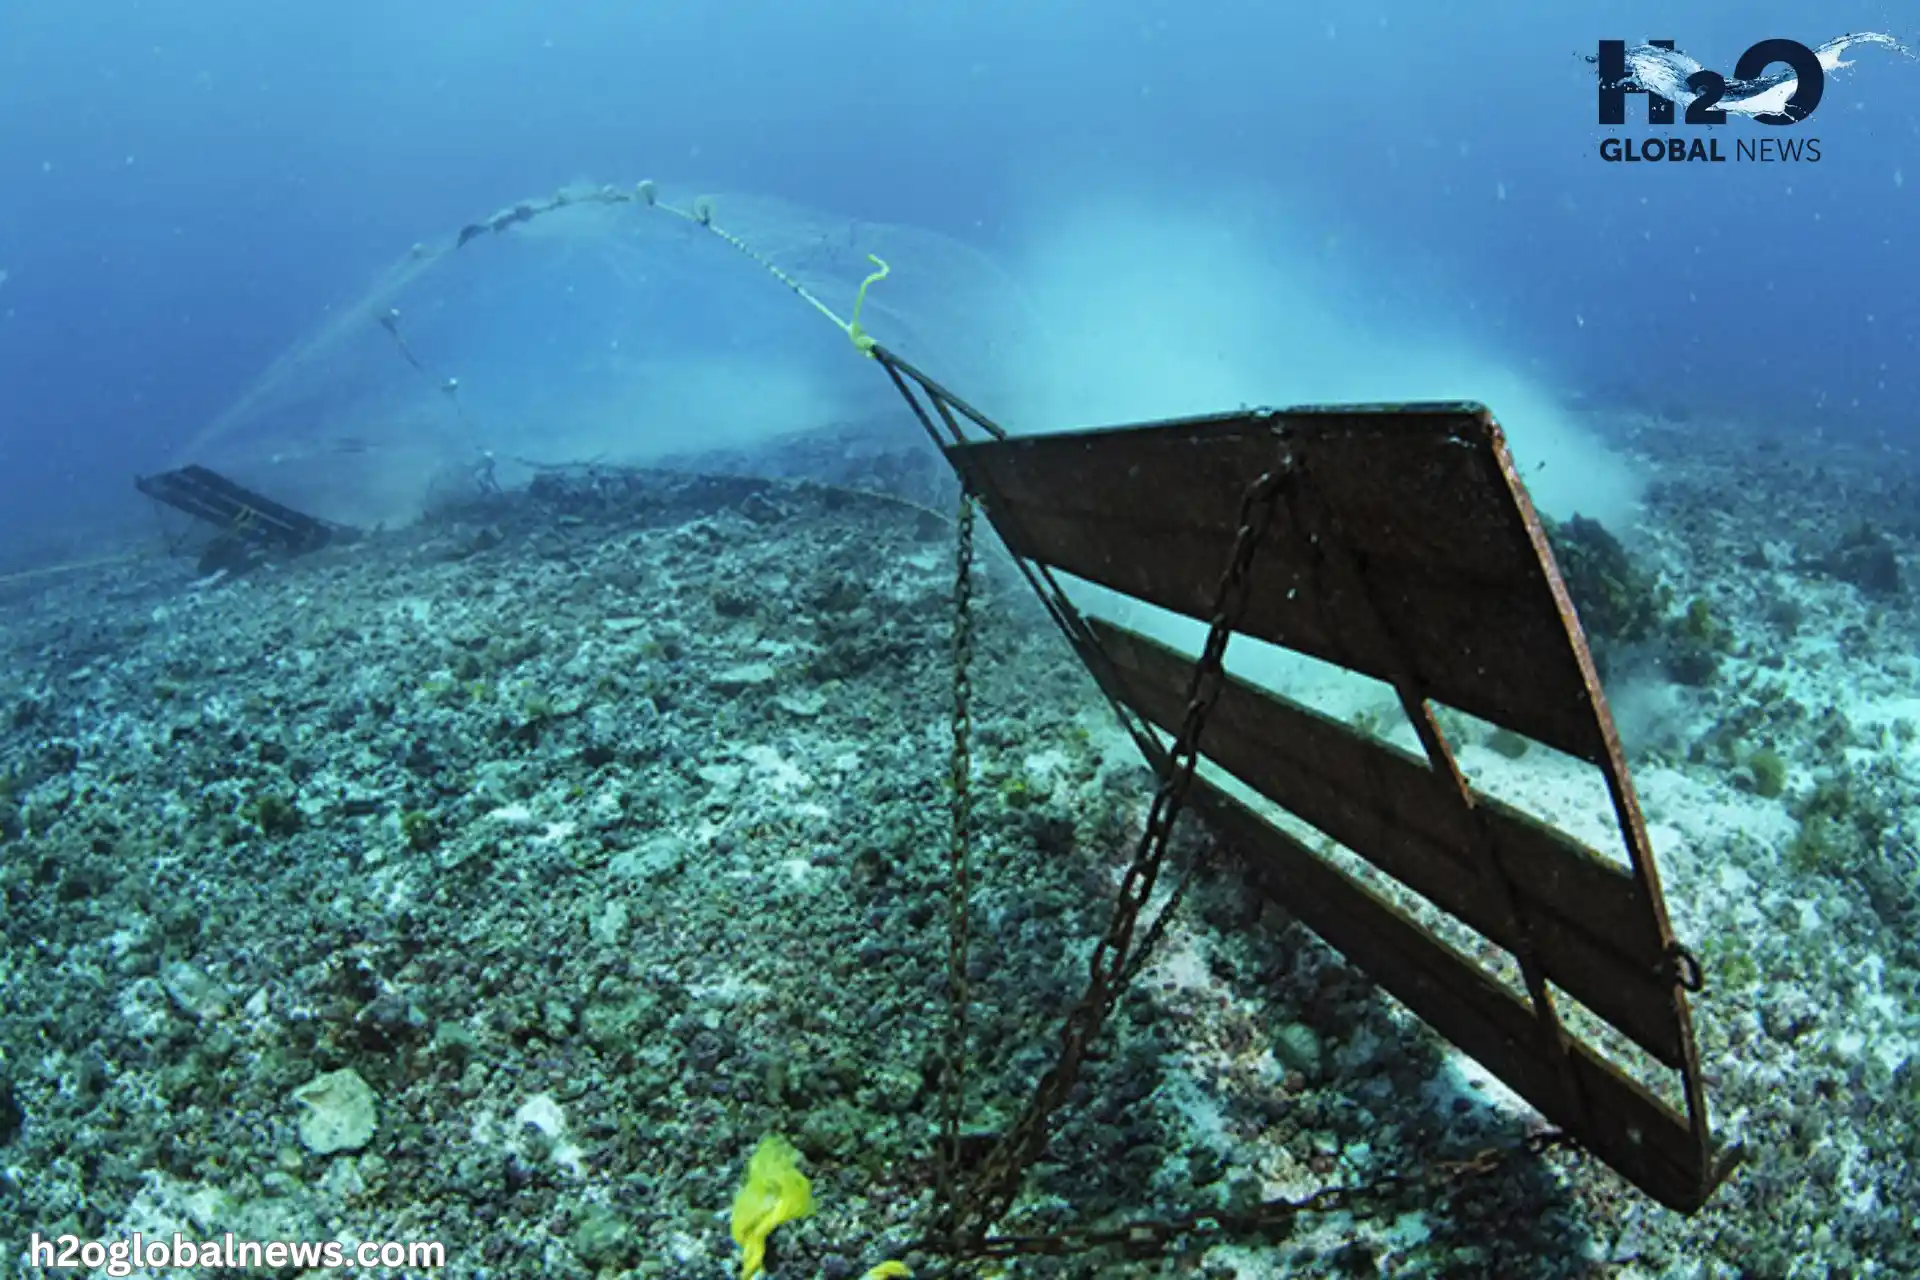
(1406, 548)
(237, 512)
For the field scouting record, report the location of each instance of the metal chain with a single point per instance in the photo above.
(993, 1191)
(960, 876)
(1114, 964)
(1152, 1238)
(1158, 925)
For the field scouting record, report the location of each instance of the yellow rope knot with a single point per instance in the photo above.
(862, 343)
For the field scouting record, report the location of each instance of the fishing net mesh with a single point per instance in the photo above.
(618, 325)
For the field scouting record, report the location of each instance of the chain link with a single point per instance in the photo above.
(1681, 967)
(960, 875)
(961, 1216)
(1109, 968)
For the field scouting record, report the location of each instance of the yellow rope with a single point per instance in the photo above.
(72, 566)
(701, 215)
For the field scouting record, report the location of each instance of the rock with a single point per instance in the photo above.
(746, 676)
(1788, 1014)
(608, 926)
(340, 1114)
(806, 705)
(602, 1238)
(193, 992)
(13, 1116)
(1297, 1046)
(660, 856)
(1866, 557)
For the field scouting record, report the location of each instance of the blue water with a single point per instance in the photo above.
(187, 185)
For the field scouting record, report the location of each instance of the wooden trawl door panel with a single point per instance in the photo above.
(1401, 546)
(1423, 500)
(1587, 918)
(1617, 1119)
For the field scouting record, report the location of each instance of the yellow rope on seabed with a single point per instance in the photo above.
(73, 566)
